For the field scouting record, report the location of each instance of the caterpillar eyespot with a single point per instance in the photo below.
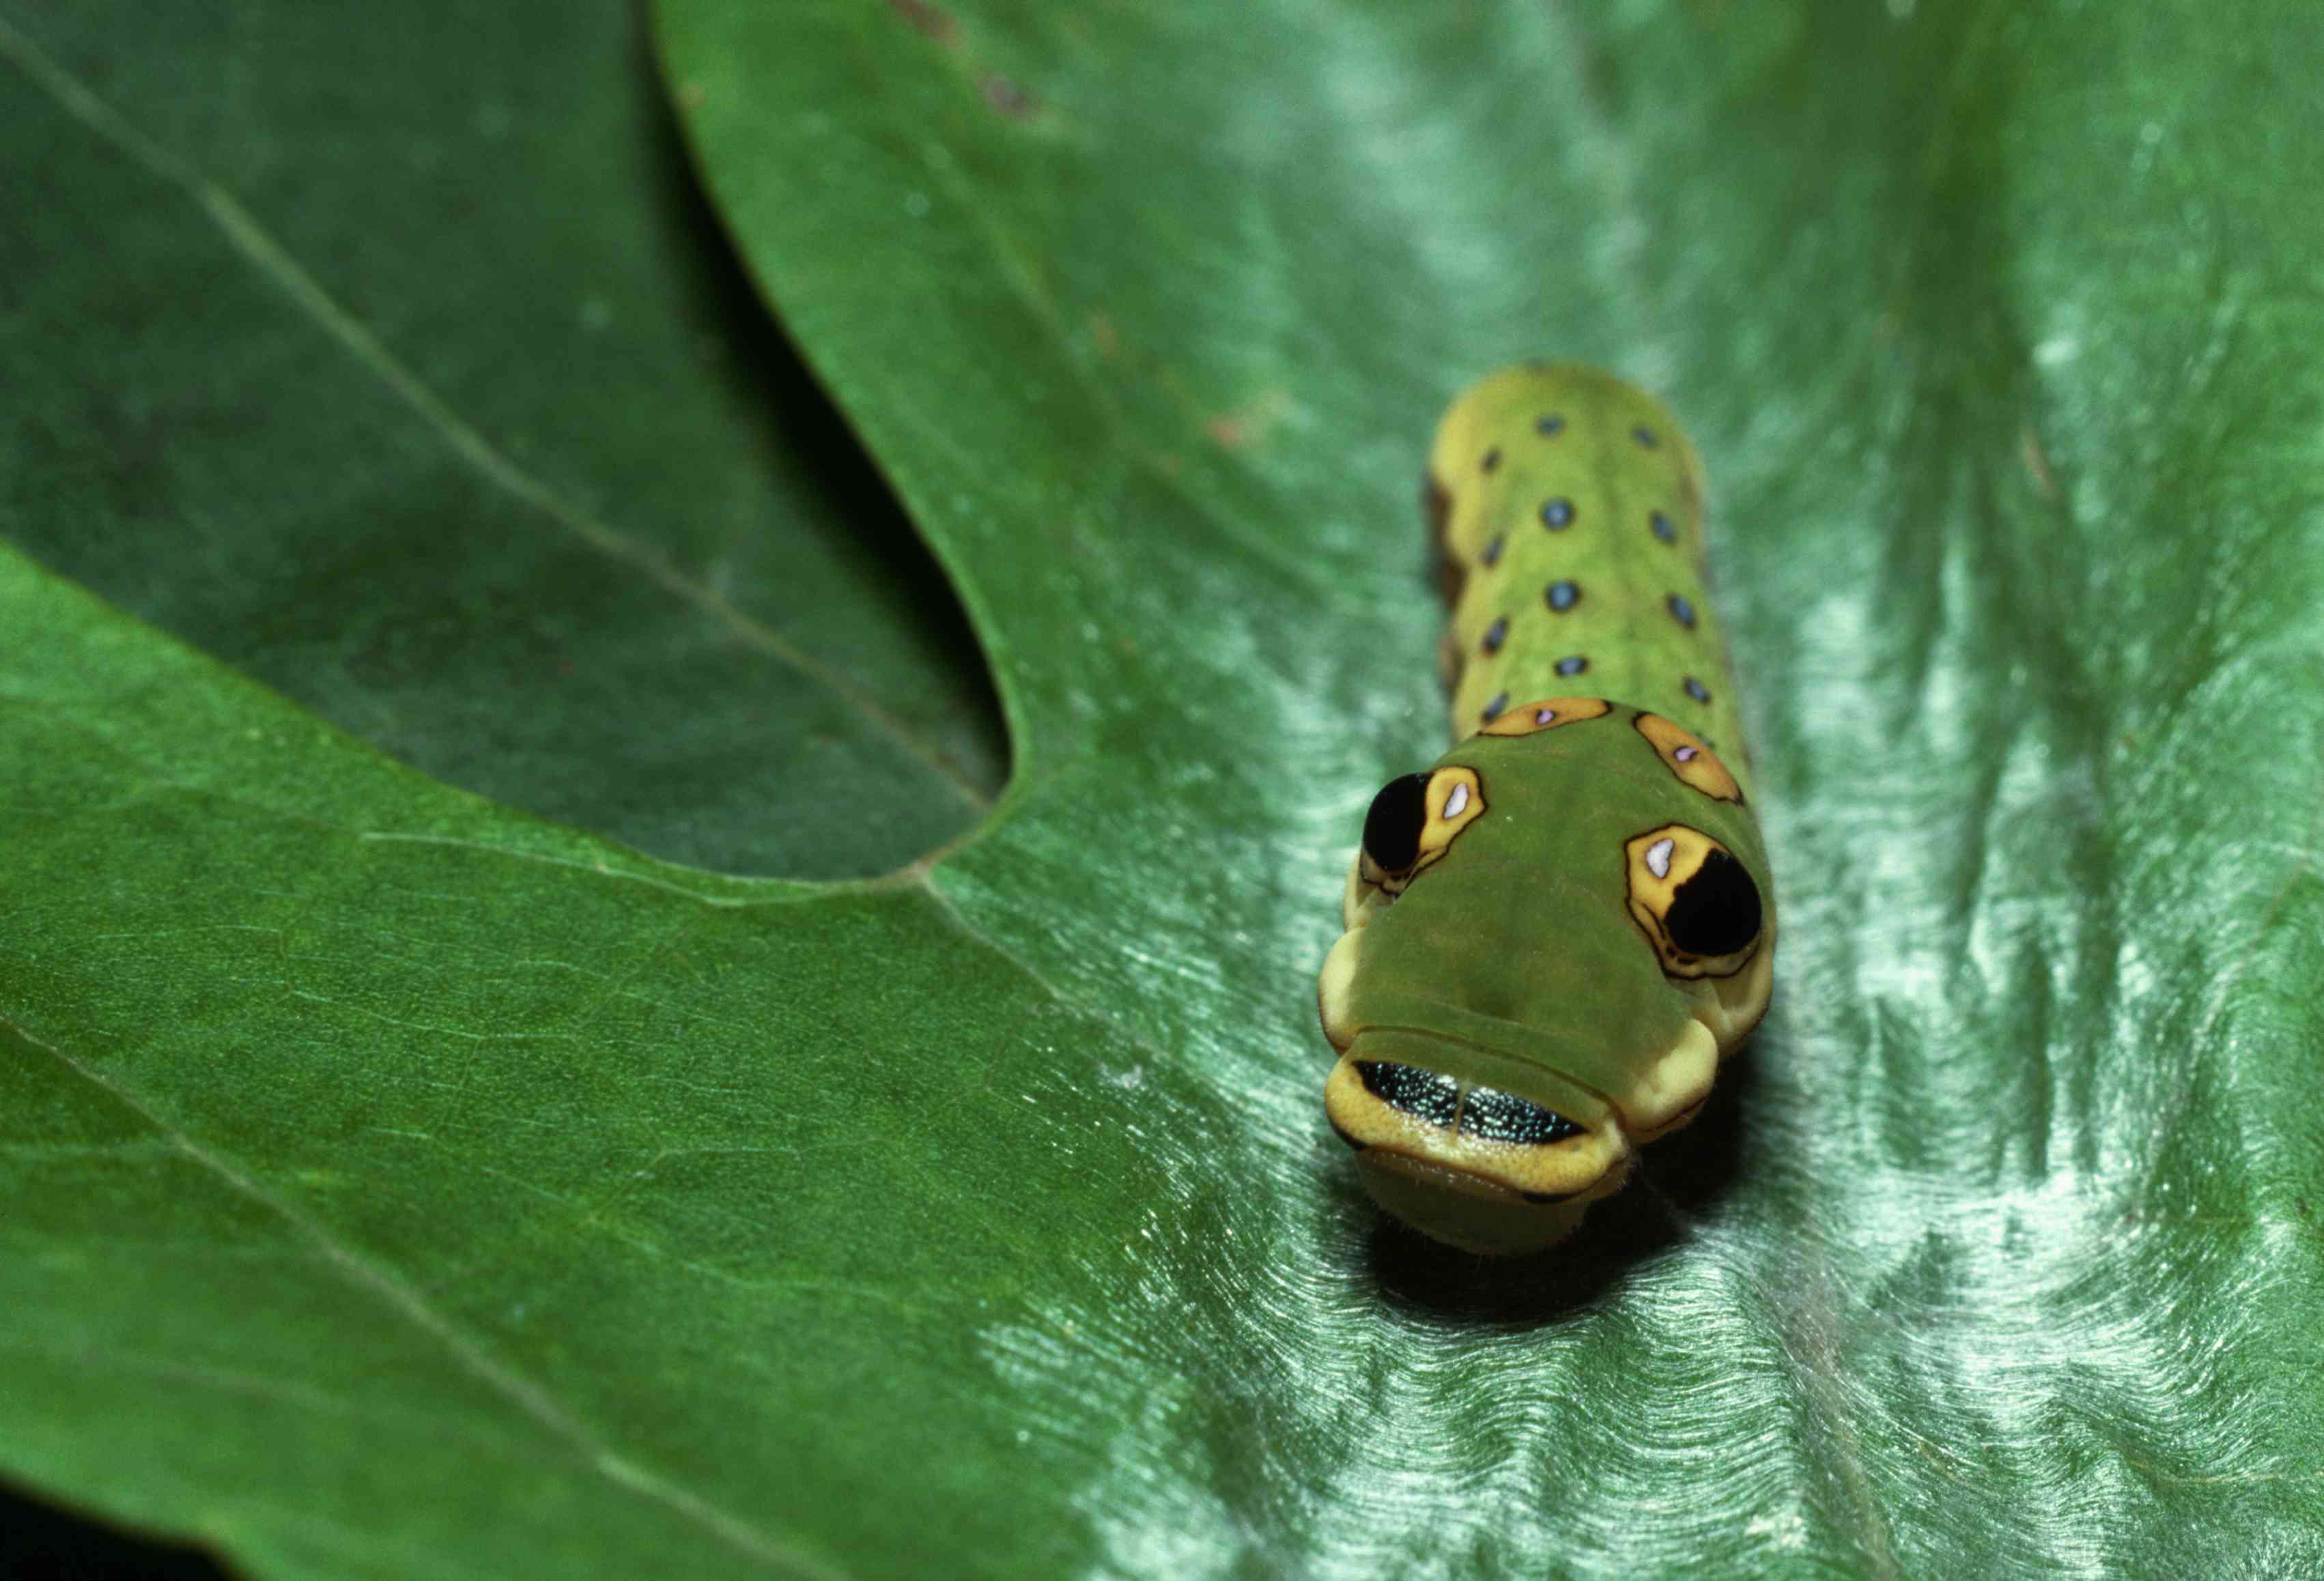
(1521, 999)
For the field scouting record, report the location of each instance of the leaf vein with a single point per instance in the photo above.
(527, 1396)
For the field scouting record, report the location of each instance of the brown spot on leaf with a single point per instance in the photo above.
(1006, 97)
(1249, 425)
(2029, 450)
(930, 21)
(1107, 337)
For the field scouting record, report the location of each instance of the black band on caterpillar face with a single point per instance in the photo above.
(1504, 1116)
(1484, 1113)
(1426, 1096)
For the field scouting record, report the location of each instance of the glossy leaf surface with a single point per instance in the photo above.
(433, 1187)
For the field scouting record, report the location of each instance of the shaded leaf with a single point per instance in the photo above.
(399, 366)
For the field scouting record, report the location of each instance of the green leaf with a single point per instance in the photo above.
(400, 1183)
(401, 368)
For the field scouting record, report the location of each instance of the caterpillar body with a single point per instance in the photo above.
(1555, 931)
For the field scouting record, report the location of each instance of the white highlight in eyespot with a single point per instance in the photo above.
(1457, 803)
(1684, 754)
(1658, 858)
(1544, 716)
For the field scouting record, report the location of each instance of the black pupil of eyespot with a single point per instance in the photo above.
(1392, 828)
(1717, 911)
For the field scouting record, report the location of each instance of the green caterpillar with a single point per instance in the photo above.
(1556, 931)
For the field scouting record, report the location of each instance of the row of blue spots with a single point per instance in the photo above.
(1563, 595)
(1558, 515)
(1552, 425)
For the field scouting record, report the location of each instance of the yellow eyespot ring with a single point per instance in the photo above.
(1455, 798)
(1661, 863)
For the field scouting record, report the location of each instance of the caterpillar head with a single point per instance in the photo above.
(1552, 936)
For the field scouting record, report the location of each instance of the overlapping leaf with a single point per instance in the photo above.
(400, 366)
